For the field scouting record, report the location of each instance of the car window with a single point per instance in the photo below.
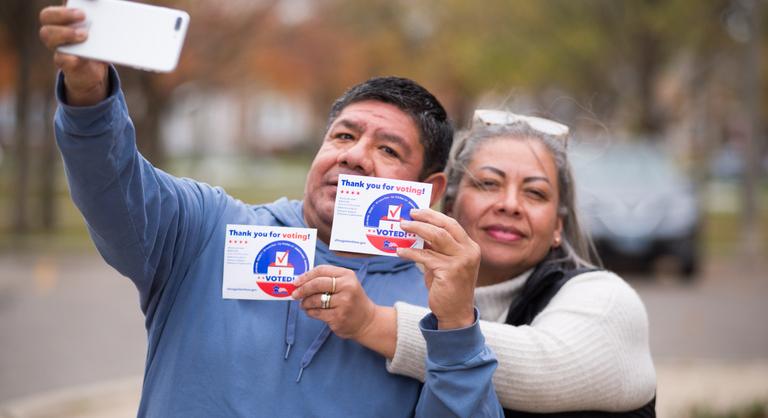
(624, 167)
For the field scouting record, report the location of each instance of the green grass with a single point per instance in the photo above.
(723, 232)
(757, 409)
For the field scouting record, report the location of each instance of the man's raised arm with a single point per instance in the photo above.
(142, 220)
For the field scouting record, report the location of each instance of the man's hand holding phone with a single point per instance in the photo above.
(121, 32)
(85, 80)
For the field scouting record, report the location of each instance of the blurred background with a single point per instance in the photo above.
(666, 100)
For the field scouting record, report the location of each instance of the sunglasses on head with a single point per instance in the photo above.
(490, 117)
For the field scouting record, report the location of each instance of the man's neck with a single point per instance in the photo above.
(323, 234)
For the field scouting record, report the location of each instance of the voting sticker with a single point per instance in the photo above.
(262, 262)
(368, 212)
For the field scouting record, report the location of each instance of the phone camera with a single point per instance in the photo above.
(178, 23)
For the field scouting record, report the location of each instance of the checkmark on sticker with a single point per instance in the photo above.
(281, 258)
(394, 211)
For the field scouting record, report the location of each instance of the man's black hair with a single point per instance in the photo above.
(435, 130)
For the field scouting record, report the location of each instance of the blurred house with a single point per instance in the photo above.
(206, 122)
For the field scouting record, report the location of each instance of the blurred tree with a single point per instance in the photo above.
(32, 65)
(216, 40)
(606, 54)
(16, 16)
(752, 245)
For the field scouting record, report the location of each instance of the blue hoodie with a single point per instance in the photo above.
(214, 357)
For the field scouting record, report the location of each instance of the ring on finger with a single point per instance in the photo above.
(325, 300)
(333, 284)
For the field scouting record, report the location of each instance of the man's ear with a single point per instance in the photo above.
(438, 182)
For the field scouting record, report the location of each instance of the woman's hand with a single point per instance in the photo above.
(451, 261)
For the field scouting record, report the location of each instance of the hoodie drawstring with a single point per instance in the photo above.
(313, 349)
(290, 326)
(324, 333)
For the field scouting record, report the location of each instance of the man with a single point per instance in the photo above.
(208, 356)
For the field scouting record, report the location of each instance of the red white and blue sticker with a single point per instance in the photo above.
(277, 265)
(262, 262)
(368, 212)
(382, 222)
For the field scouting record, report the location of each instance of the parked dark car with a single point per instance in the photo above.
(638, 206)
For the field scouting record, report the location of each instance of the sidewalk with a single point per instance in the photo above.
(717, 385)
(681, 385)
(112, 399)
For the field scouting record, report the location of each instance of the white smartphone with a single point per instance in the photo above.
(128, 33)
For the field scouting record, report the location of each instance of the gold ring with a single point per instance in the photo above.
(333, 284)
(325, 300)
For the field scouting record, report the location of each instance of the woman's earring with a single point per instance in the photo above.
(557, 241)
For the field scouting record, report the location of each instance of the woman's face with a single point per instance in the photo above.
(507, 202)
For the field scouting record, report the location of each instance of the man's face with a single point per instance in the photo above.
(368, 138)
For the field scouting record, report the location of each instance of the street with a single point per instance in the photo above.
(68, 320)
(719, 316)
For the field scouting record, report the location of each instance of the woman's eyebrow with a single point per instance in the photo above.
(536, 178)
(494, 170)
(502, 174)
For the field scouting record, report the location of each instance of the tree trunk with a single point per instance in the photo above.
(20, 193)
(649, 120)
(48, 167)
(752, 88)
(147, 120)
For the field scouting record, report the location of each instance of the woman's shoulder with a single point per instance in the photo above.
(600, 279)
(600, 289)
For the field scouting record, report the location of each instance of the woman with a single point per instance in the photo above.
(568, 336)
